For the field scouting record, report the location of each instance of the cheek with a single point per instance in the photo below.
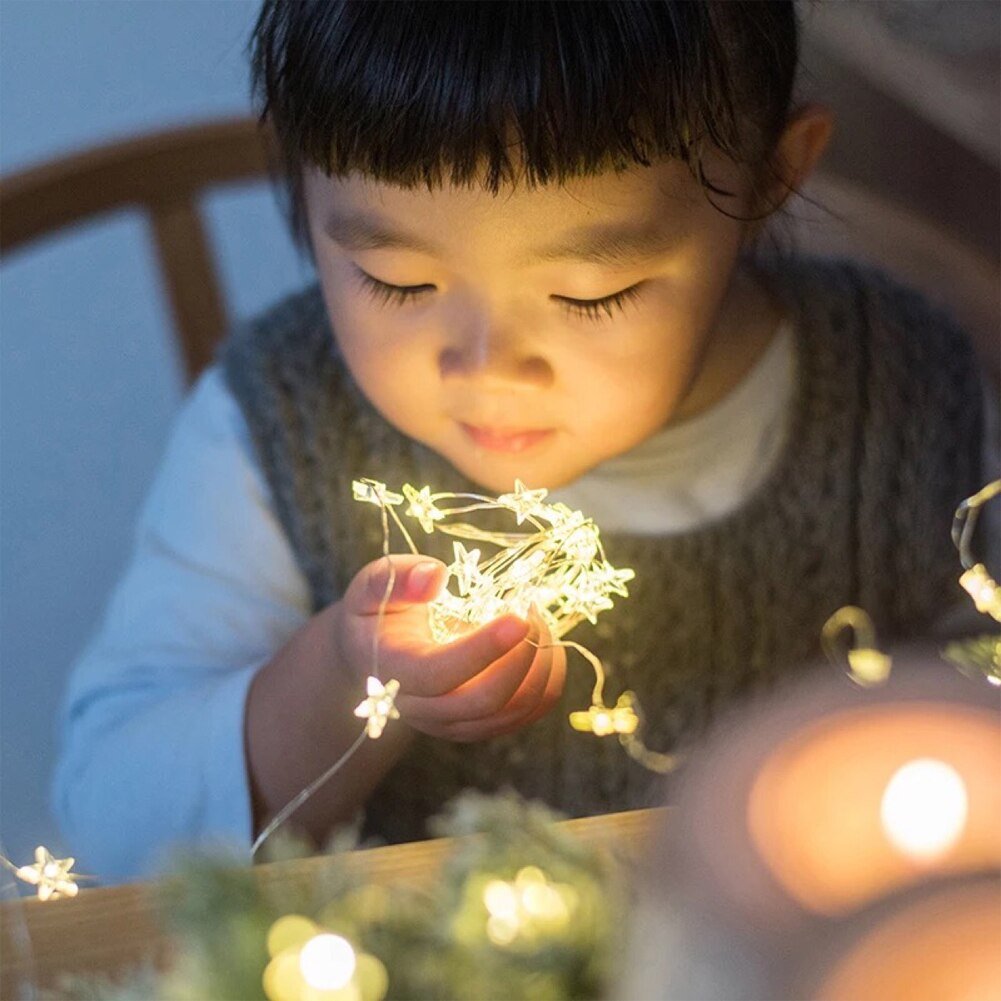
(365, 328)
(616, 400)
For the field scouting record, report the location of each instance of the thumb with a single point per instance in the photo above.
(400, 580)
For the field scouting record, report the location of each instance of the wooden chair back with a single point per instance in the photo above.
(162, 174)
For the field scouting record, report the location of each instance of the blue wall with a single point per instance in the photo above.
(88, 380)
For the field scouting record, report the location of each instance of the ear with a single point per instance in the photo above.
(802, 143)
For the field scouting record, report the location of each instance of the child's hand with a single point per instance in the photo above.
(487, 682)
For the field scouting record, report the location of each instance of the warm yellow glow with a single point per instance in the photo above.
(327, 962)
(288, 931)
(602, 721)
(825, 840)
(866, 664)
(983, 589)
(282, 979)
(924, 808)
(528, 908)
(556, 566)
(556, 563)
(371, 977)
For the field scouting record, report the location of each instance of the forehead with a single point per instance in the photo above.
(610, 218)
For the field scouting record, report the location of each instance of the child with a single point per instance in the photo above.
(534, 229)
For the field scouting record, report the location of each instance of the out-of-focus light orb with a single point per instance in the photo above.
(289, 931)
(327, 962)
(924, 809)
(529, 908)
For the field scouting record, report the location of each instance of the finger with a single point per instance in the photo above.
(554, 685)
(399, 580)
(471, 730)
(484, 695)
(526, 698)
(531, 696)
(440, 668)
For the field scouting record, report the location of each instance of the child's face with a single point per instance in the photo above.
(492, 359)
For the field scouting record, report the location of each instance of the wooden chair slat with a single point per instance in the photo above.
(163, 175)
(164, 166)
(190, 281)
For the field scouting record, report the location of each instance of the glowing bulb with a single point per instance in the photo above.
(52, 876)
(983, 589)
(924, 808)
(327, 962)
(501, 899)
(290, 931)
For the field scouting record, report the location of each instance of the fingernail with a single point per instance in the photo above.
(509, 632)
(420, 579)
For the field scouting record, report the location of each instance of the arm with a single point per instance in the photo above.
(299, 713)
(212, 619)
(152, 722)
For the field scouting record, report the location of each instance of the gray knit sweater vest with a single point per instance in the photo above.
(884, 442)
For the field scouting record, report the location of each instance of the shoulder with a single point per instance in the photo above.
(859, 321)
(209, 452)
(849, 294)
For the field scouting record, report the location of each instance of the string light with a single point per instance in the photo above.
(309, 963)
(556, 565)
(51, 876)
(601, 721)
(327, 962)
(528, 908)
(976, 581)
(982, 653)
(867, 666)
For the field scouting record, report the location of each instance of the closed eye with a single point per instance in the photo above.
(591, 309)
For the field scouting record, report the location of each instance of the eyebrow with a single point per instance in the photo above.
(607, 244)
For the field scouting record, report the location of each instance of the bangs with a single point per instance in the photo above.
(428, 93)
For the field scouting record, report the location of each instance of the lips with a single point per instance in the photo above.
(509, 440)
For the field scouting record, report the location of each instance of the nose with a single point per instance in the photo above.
(489, 351)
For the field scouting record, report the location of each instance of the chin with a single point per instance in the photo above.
(501, 480)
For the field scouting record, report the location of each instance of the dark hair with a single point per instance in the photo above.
(416, 93)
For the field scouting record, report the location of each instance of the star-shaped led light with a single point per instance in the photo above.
(983, 589)
(581, 544)
(586, 596)
(422, 507)
(374, 492)
(615, 580)
(466, 567)
(51, 875)
(523, 502)
(561, 517)
(379, 708)
(602, 721)
(526, 568)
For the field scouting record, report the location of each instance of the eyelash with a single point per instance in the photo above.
(590, 309)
